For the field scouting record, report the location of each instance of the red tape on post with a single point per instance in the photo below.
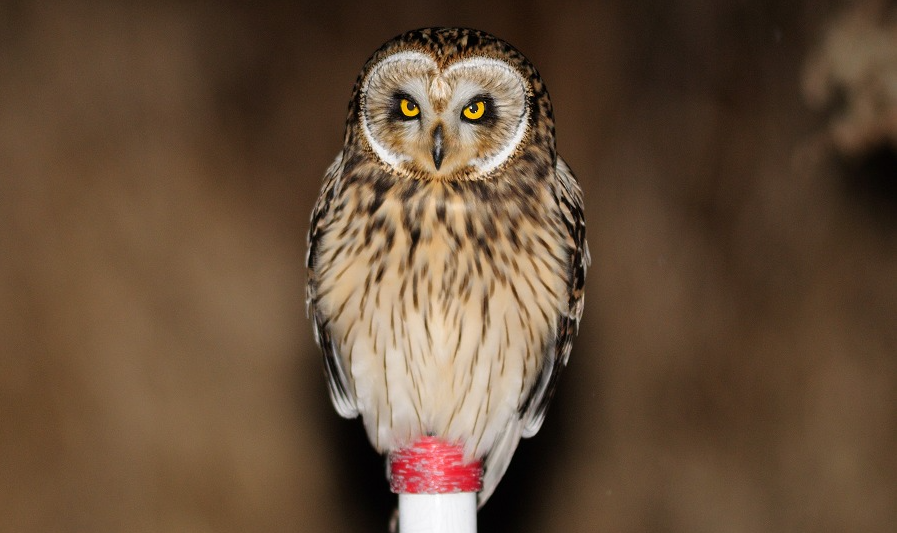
(432, 466)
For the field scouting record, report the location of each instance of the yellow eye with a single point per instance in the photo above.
(409, 108)
(475, 110)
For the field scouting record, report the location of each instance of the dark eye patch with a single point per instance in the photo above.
(400, 100)
(490, 114)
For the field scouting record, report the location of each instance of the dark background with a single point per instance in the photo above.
(736, 370)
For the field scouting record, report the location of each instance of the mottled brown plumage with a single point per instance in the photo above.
(447, 250)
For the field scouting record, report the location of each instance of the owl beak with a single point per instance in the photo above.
(437, 147)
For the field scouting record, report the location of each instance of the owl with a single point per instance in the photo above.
(447, 250)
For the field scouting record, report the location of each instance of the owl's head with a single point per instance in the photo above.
(449, 104)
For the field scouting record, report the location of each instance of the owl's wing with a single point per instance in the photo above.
(341, 391)
(568, 196)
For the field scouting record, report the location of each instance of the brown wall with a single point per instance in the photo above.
(736, 370)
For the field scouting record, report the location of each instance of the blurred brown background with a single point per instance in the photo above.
(737, 366)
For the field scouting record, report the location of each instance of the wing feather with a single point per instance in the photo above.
(341, 391)
(568, 196)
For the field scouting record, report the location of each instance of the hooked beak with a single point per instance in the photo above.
(437, 147)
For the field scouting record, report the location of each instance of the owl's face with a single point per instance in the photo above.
(429, 114)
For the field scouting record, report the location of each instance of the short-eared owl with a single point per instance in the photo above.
(447, 250)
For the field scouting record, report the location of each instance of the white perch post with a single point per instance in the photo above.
(438, 513)
(437, 489)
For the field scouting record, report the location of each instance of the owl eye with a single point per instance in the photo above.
(408, 108)
(474, 110)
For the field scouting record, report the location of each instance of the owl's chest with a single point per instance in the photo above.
(426, 250)
(422, 273)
